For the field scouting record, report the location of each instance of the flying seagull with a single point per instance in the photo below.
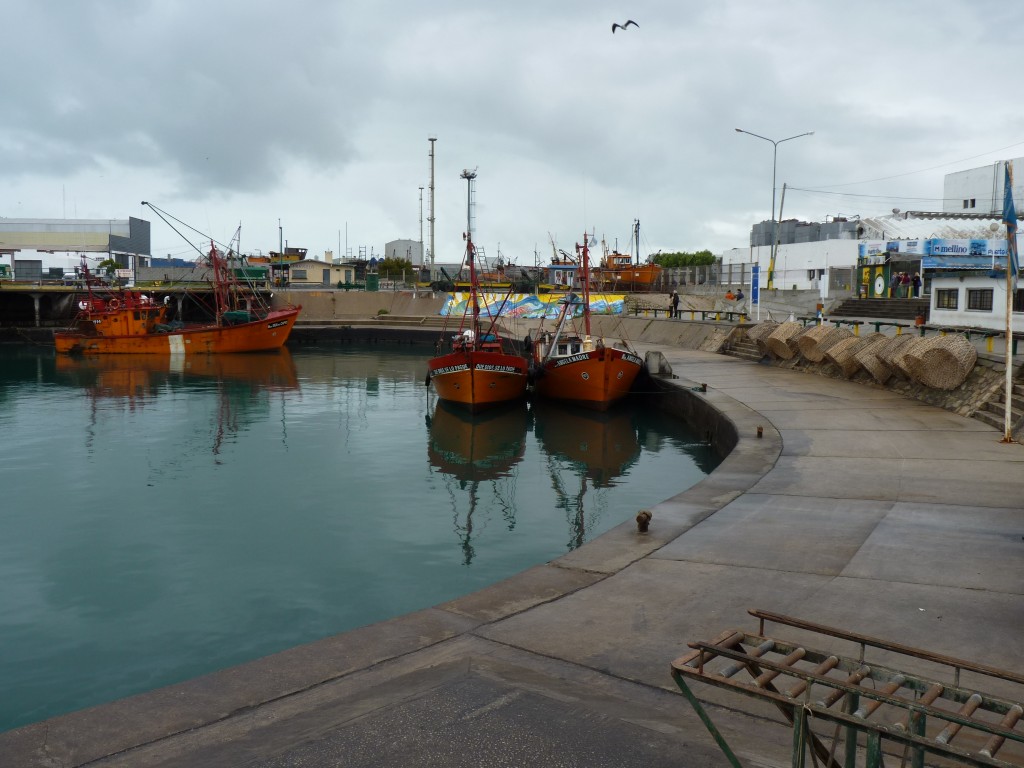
(623, 26)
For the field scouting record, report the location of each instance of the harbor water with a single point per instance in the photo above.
(165, 518)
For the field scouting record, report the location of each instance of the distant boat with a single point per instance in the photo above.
(130, 321)
(571, 365)
(623, 272)
(480, 369)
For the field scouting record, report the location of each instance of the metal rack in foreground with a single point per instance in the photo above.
(879, 705)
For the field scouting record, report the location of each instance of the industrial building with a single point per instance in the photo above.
(126, 241)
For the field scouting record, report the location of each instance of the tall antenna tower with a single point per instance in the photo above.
(430, 217)
(470, 177)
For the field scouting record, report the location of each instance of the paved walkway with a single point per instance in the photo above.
(858, 508)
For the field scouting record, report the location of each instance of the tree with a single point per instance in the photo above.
(393, 266)
(685, 259)
(108, 266)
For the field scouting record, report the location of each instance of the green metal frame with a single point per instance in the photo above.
(920, 700)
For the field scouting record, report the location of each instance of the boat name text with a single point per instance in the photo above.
(574, 359)
(449, 369)
(498, 368)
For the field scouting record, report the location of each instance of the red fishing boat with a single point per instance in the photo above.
(480, 369)
(123, 321)
(571, 365)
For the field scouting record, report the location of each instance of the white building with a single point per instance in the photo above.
(798, 266)
(410, 250)
(980, 190)
(973, 300)
(321, 273)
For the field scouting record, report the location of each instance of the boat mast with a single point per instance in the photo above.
(470, 176)
(586, 284)
(636, 235)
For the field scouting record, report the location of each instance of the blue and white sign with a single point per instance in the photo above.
(755, 284)
(988, 248)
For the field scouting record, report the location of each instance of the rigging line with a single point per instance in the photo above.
(819, 191)
(922, 170)
(164, 214)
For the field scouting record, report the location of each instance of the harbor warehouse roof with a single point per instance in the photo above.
(129, 235)
(916, 226)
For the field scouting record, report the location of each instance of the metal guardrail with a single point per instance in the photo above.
(884, 702)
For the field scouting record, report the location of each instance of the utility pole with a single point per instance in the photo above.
(430, 218)
(420, 267)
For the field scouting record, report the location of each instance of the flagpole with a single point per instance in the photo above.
(1008, 412)
(1010, 220)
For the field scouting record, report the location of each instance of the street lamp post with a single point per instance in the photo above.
(775, 154)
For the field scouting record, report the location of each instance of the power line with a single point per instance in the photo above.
(819, 191)
(922, 170)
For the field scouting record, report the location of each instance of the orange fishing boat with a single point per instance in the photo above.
(481, 370)
(571, 365)
(619, 271)
(127, 321)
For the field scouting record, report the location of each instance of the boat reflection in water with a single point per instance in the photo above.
(242, 383)
(585, 449)
(474, 449)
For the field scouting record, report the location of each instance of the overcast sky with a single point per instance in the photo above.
(318, 114)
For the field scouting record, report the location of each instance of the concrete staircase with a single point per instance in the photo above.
(897, 309)
(742, 347)
(994, 411)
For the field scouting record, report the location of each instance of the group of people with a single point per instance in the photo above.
(673, 301)
(904, 285)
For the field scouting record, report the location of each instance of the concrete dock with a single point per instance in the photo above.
(858, 508)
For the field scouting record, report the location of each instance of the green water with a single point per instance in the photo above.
(160, 521)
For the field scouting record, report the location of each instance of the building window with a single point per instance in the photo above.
(979, 299)
(1018, 300)
(972, 202)
(298, 274)
(947, 298)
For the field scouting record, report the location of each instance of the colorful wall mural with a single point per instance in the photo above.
(531, 306)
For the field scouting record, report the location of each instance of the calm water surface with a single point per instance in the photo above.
(163, 520)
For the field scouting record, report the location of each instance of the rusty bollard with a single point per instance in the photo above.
(642, 521)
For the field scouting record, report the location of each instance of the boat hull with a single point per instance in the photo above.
(594, 379)
(269, 333)
(478, 379)
(643, 277)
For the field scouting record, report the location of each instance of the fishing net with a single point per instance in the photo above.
(942, 362)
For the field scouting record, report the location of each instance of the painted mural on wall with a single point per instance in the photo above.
(531, 306)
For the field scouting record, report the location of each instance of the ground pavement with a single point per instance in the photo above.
(857, 508)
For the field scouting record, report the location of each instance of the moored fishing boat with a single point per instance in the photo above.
(130, 321)
(571, 365)
(480, 369)
(623, 272)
